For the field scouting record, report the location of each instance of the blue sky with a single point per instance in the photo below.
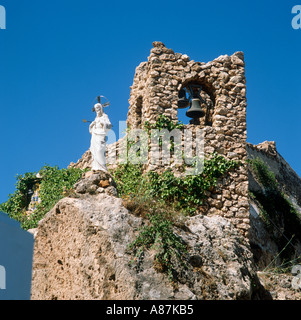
(57, 56)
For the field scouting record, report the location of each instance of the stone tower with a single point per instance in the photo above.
(155, 91)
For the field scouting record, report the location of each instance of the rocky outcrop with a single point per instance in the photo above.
(95, 182)
(287, 178)
(81, 252)
(81, 248)
(271, 236)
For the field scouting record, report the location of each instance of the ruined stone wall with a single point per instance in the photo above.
(155, 91)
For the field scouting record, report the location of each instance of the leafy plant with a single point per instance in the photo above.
(185, 193)
(55, 182)
(265, 176)
(54, 185)
(163, 122)
(128, 179)
(18, 201)
(170, 250)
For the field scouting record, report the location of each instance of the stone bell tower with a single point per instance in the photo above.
(155, 91)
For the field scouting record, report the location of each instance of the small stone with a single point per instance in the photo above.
(226, 194)
(236, 60)
(229, 214)
(196, 67)
(158, 44)
(222, 111)
(185, 57)
(243, 226)
(228, 203)
(236, 79)
(240, 151)
(92, 189)
(88, 174)
(232, 155)
(174, 82)
(80, 187)
(100, 190)
(112, 191)
(154, 74)
(244, 204)
(104, 183)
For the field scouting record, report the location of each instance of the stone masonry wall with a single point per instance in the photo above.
(155, 91)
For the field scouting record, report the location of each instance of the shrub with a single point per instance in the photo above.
(265, 176)
(186, 193)
(54, 185)
(158, 235)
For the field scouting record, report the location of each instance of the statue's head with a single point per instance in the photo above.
(98, 108)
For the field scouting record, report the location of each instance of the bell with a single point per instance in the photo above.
(183, 102)
(195, 110)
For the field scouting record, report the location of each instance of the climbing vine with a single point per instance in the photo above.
(186, 193)
(170, 249)
(55, 183)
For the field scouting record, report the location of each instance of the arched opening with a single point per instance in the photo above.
(202, 105)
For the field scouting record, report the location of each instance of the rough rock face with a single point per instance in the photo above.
(279, 286)
(81, 252)
(262, 241)
(94, 182)
(289, 181)
(81, 248)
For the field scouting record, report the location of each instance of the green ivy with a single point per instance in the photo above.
(170, 249)
(54, 185)
(185, 193)
(128, 179)
(17, 202)
(164, 122)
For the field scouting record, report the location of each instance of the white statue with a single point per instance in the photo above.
(98, 129)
